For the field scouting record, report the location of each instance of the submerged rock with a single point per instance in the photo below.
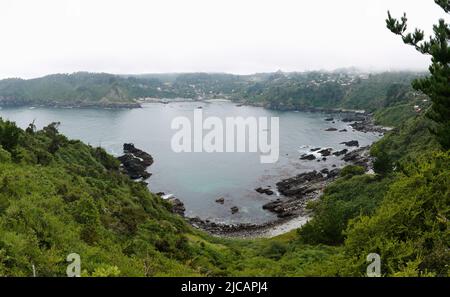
(221, 200)
(331, 129)
(234, 209)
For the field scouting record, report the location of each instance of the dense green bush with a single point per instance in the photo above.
(411, 228)
(343, 200)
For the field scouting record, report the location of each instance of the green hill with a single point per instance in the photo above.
(285, 91)
(77, 89)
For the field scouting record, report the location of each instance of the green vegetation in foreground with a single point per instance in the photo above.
(59, 196)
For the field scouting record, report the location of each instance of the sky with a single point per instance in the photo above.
(234, 36)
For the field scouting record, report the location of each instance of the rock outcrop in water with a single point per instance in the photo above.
(135, 162)
(308, 157)
(234, 209)
(325, 152)
(264, 191)
(351, 143)
(340, 153)
(296, 191)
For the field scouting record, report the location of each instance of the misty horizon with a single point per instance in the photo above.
(337, 70)
(236, 37)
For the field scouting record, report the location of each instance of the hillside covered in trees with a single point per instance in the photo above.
(284, 91)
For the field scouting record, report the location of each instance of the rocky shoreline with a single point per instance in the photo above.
(291, 208)
(296, 191)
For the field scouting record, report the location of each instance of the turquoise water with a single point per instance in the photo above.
(198, 179)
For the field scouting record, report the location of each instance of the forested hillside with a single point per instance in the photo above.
(77, 89)
(284, 91)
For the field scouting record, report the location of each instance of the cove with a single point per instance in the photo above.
(199, 179)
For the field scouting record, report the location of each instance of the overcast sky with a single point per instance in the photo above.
(237, 36)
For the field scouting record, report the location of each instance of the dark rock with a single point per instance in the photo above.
(264, 191)
(285, 214)
(358, 157)
(147, 159)
(340, 153)
(331, 129)
(367, 125)
(325, 171)
(329, 119)
(351, 143)
(298, 184)
(354, 118)
(334, 172)
(177, 206)
(308, 157)
(234, 209)
(272, 205)
(315, 149)
(296, 192)
(221, 200)
(135, 162)
(343, 130)
(325, 152)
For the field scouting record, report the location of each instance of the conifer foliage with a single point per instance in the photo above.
(437, 85)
